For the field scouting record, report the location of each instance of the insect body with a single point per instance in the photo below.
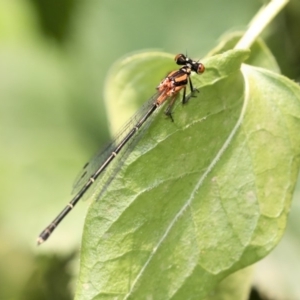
(169, 88)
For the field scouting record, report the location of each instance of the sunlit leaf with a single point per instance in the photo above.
(200, 197)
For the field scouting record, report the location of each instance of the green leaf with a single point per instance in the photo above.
(201, 197)
(260, 55)
(132, 80)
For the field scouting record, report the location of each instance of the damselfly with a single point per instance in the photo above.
(168, 88)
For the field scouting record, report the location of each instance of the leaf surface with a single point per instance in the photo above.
(200, 197)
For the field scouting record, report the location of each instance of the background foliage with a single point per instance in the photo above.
(54, 56)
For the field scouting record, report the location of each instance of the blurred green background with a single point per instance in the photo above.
(54, 57)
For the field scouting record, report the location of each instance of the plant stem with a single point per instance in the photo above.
(264, 16)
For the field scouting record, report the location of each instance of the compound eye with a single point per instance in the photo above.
(180, 59)
(200, 68)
